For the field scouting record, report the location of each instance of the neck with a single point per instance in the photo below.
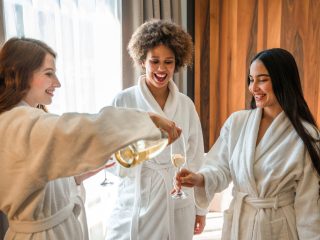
(159, 94)
(271, 114)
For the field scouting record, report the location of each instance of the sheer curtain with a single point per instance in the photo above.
(86, 34)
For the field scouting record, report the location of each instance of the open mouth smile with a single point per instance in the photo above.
(160, 77)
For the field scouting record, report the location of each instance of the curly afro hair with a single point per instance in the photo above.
(161, 32)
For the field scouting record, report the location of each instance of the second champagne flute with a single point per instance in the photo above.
(178, 159)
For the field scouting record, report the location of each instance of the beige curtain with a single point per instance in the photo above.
(136, 12)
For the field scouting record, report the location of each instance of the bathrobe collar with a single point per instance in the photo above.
(171, 104)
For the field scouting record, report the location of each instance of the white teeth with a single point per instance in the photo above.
(259, 97)
(160, 75)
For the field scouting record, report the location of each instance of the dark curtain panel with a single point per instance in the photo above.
(190, 28)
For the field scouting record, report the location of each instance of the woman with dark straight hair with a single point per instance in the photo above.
(271, 153)
(40, 153)
(287, 88)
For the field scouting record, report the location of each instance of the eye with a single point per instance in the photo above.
(262, 80)
(169, 62)
(154, 61)
(50, 74)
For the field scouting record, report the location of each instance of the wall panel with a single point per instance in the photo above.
(228, 33)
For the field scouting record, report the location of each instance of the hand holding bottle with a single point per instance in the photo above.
(142, 150)
(166, 125)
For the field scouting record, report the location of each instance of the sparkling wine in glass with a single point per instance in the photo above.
(178, 159)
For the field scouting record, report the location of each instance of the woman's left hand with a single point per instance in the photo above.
(199, 224)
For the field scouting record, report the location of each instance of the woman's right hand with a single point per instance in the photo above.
(187, 178)
(167, 126)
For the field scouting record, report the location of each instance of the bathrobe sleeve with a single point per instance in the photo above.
(195, 148)
(216, 170)
(40, 147)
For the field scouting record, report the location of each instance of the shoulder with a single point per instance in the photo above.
(20, 119)
(185, 101)
(21, 111)
(235, 123)
(125, 95)
(239, 116)
(126, 92)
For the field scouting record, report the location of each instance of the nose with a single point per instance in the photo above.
(162, 67)
(254, 86)
(56, 83)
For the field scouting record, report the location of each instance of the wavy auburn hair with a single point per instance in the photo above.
(19, 58)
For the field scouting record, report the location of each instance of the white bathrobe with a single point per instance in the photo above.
(276, 190)
(39, 152)
(145, 209)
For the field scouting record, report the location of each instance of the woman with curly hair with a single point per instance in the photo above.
(161, 48)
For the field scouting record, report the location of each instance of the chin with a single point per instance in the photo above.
(48, 102)
(259, 105)
(162, 84)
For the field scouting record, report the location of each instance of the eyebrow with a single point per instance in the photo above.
(260, 75)
(48, 69)
(159, 57)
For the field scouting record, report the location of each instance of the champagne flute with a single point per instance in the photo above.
(178, 159)
(106, 181)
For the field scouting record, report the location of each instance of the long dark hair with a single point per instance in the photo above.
(287, 88)
(19, 58)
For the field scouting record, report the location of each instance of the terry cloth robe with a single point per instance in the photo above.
(39, 153)
(276, 190)
(145, 209)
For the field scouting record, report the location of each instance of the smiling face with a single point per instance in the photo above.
(43, 83)
(159, 65)
(261, 87)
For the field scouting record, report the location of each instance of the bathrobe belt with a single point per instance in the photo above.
(163, 171)
(281, 200)
(47, 223)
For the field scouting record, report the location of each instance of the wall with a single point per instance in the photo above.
(228, 33)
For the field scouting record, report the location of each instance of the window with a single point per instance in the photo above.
(86, 36)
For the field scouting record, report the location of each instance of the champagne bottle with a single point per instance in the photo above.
(141, 151)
